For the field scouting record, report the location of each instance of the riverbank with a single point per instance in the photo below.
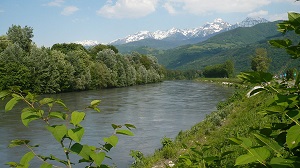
(208, 141)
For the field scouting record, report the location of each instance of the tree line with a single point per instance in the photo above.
(69, 67)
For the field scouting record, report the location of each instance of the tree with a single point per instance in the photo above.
(229, 67)
(4, 42)
(260, 62)
(65, 48)
(97, 48)
(81, 63)
(21, 36)
(225, 70)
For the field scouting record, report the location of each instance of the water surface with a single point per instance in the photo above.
(157, 110)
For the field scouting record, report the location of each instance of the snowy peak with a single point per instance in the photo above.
(174, 34)
(87, 42)
(249, 22)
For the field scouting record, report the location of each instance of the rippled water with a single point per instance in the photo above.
(157, 110)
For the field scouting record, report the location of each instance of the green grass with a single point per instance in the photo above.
(238, 116)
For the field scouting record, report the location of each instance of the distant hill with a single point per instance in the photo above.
(177, 37)
(238, 45)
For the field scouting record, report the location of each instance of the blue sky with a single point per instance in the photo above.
(62, 21)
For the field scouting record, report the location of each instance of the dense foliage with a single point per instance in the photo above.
(225, 70)
(183, 75)
(259, 128)
(260, 61)
(70, 67)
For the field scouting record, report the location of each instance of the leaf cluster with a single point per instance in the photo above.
(68, 135)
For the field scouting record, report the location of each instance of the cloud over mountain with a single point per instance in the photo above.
(205, 7)
(128, 8)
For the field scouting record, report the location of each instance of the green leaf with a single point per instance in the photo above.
(261, 154)
(26, 159)
(294, 18)
(46, 165)
(4, 93)
(269, 143)
(12, 164)
(113, 140)
(76, 134)
(254, 155)
(125, 132)
(58, 131)
(281, 43)
(77, 117)
(129, 126)
(243, 142)
(58, 114)
(46, 101)
(276, 109)
(82, 150)
(245, 159)
(98, 157)
(28, 115)
(11, 103)
(281, 163)
(293, 137)
(95, 102)
(61, 103)
(256, 77)
(116, 126)
(18, 142)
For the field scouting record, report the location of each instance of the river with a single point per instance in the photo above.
(157, 110)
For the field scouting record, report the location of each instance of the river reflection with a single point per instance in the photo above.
(157, 110)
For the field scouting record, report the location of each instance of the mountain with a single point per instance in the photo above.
(87, 43)
(174, 34)
(177, 37)
(238, 45)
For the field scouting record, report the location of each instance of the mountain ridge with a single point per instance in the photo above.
(179, 36)
(207, 29)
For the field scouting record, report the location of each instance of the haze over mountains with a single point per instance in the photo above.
(175, 37)
(211, 44)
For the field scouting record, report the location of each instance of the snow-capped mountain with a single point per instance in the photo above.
(87, 42)
(174, 34)
(249, 22)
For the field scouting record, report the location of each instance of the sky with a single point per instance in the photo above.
(64, 21)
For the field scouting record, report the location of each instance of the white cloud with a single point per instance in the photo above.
(261, 13)
(128, 8)
(169, 8)
(282, 16)
(55, 3)
(69, 10)
(221, 6)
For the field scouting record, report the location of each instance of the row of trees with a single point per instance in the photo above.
(259, 62)
(69, 67)
(225, 70)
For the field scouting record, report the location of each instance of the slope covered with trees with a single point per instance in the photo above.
(69, 67)
(238, 45)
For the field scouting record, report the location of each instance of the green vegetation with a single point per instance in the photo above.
(260, 62)
(237, 45)
(260, 130)
(183, 75)
(70, 67)
(68, 135)
(225, 70)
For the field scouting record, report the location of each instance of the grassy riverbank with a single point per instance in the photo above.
(237, 116)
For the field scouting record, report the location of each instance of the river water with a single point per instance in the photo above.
(157, 110)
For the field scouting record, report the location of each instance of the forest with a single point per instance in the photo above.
(69, 67)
